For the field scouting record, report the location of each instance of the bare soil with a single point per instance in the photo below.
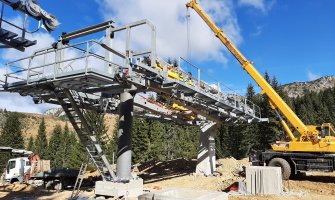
(180, 174)
(29, 192)
(316, 185)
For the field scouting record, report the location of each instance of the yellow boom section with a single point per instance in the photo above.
(275, 100)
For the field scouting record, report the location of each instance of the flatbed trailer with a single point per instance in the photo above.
(58, 179)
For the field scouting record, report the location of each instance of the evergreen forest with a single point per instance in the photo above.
(158, 140)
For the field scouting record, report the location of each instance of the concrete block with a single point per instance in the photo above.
(206, 153)
(111, 189)
(264, 180)
(242, 187)
(184, 194)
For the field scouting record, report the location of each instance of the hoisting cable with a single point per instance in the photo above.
(188, 19)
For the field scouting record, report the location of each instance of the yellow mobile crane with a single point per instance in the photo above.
(314, 149)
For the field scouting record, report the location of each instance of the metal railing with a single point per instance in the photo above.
(52, 63)
(198, 79)
(55, 62)
(46, 63)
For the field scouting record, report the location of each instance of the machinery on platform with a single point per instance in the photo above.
(313, 149)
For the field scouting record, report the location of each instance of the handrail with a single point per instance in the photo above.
(36, 70)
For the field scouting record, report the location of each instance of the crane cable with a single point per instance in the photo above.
(188, 18)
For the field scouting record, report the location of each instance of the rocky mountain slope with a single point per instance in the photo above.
(297, 89)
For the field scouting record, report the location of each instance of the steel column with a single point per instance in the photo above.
(123, 165)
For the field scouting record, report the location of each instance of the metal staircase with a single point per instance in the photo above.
(73, 105)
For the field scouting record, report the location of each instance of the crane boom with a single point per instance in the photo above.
(312, 138)
(276, 101)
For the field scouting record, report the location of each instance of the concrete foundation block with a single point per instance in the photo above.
(264, 180)
(184, 194)
(111, 189)
(206, 153)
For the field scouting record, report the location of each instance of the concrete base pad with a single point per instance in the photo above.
(184, 194)
(132, 189)
(264, 180)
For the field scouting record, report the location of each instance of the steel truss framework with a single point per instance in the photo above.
(91, 75)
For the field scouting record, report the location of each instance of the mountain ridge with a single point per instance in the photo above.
(298, 89)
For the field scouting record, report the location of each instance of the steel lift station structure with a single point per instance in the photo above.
(81, 74)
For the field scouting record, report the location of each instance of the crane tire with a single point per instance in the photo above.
(284, 165)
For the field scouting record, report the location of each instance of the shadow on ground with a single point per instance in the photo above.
(315, 178)
(26, 193)
(154, 171)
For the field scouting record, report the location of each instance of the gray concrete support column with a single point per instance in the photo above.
(123, 165)
(206, 153)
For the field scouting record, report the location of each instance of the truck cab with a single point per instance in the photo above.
(16, 169)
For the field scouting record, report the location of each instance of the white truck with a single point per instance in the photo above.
(30, 168)
(16, 169)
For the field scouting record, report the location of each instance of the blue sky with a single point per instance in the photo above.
(293, 40)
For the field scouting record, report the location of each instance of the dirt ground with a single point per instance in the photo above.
(314, 185)
(28, 192)
(179, 174)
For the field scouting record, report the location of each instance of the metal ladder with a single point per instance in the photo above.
(72, 106)
(79, 181)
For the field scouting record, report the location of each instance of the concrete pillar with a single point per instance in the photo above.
(206, 153)
(123, 164)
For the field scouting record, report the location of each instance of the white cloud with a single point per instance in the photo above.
(262, 5)
(170, 20)
(15, 102)
(312, 76)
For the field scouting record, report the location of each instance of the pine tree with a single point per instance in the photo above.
(157, 145)
(187, 141)
(250, 92)
(41, 142)
(175, 63)
(65, 146)
(274, 83)
(169, 61)
(171, 136)
(140, 141)
(97, 121)
(30, 145)
(11, 134)
(76, 153)
(54, 150)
